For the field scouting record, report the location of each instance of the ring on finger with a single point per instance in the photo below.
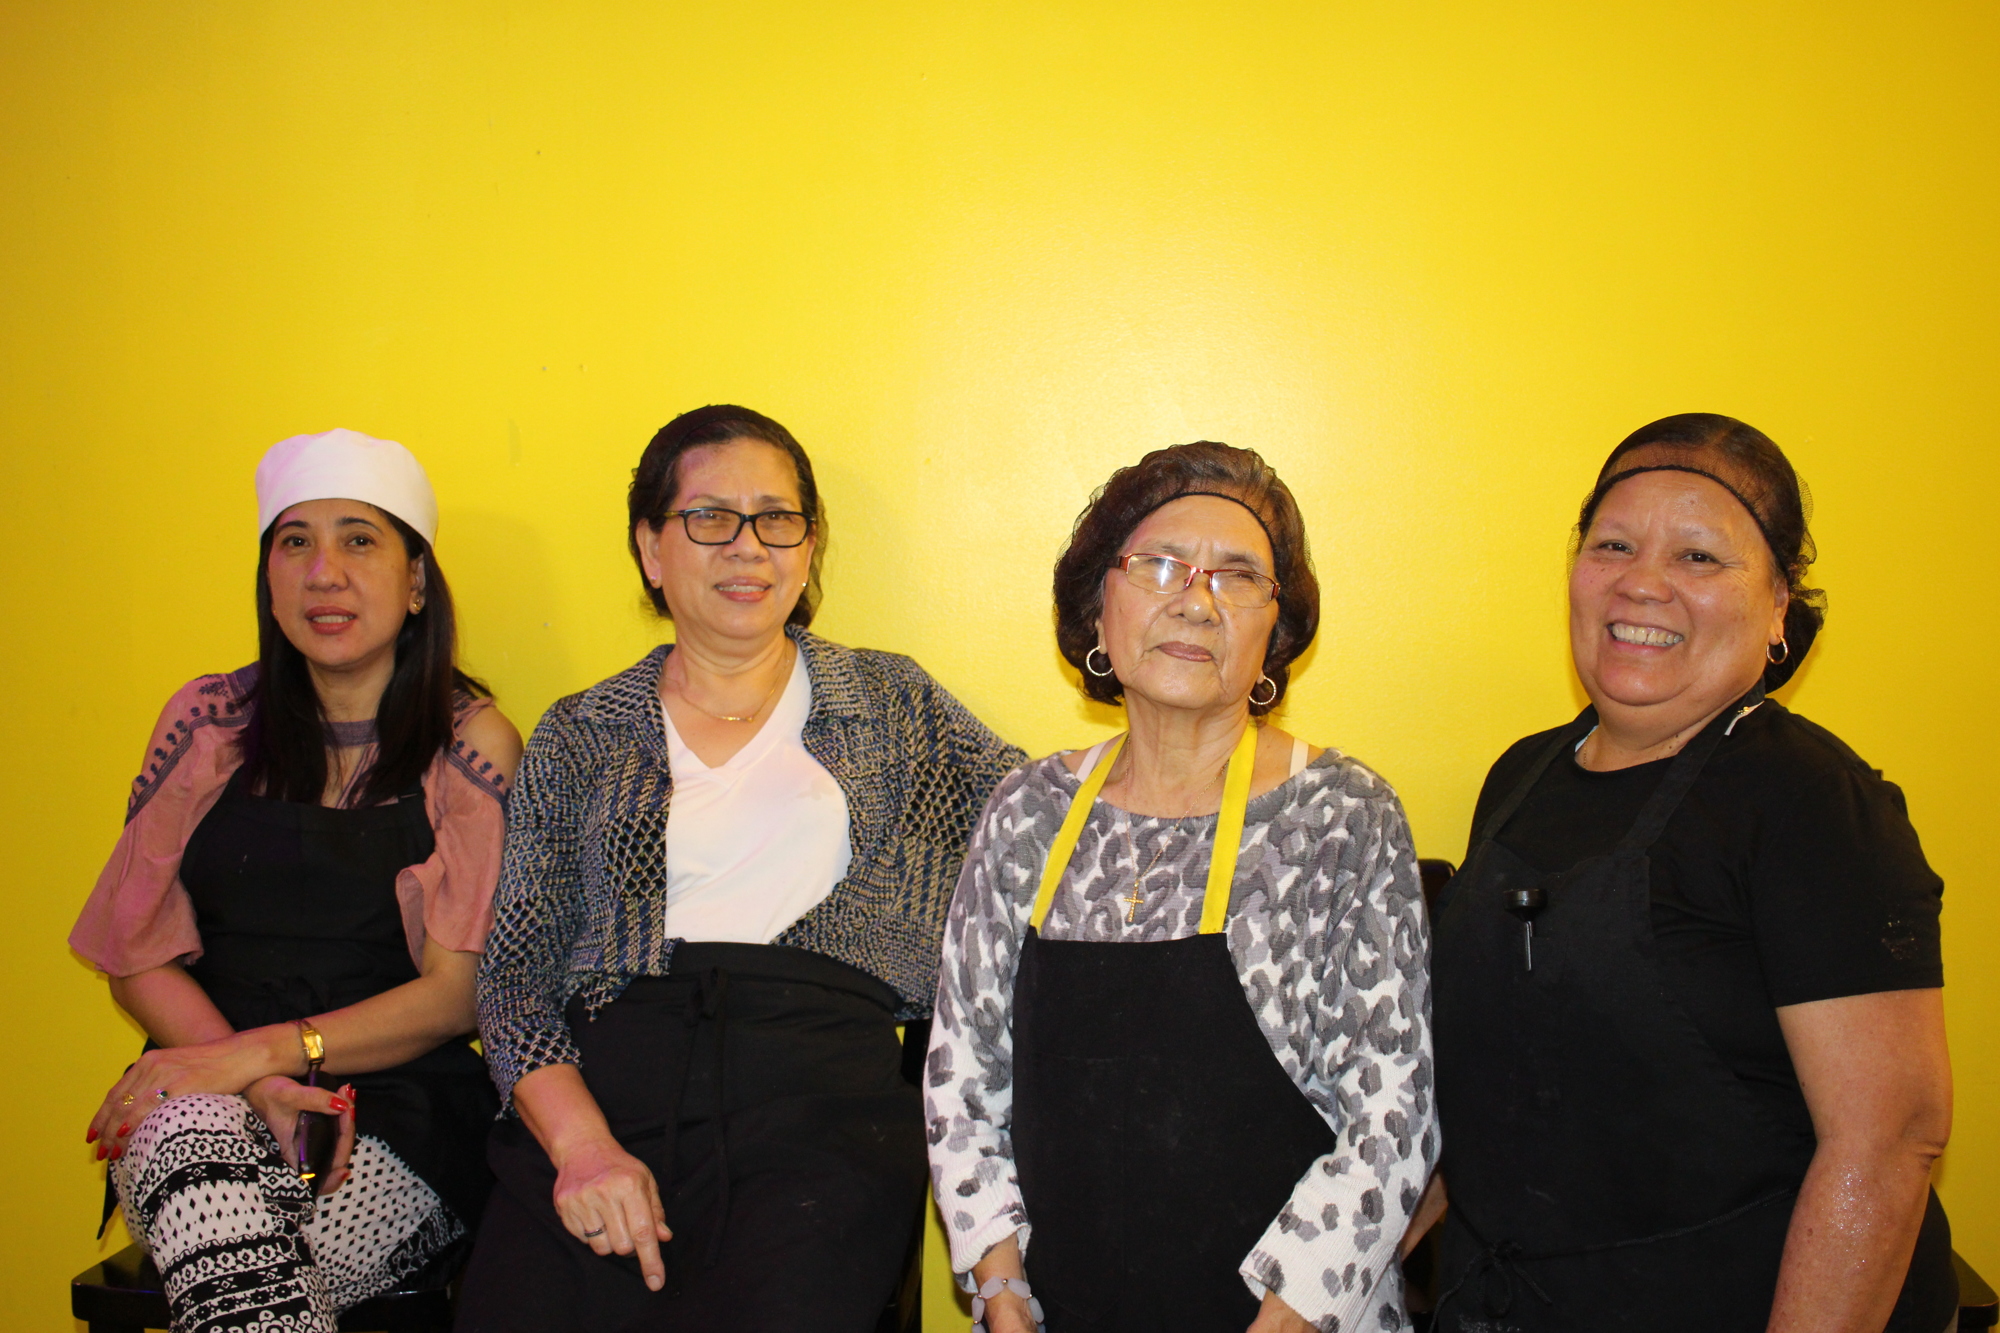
(590, 1235)
(126, 1100)
(160, 1093)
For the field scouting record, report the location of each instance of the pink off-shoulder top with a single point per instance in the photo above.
(139, 915)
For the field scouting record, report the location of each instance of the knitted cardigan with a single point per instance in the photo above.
(581, 906)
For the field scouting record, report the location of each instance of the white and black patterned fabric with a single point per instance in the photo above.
(1327, 931)
(581, 905)
(241, 1244)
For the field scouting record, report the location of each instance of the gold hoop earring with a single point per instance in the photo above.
(1264, 703)
(1109, 669)
(1782, 657)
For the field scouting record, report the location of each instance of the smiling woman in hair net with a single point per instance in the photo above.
(1690, 1044)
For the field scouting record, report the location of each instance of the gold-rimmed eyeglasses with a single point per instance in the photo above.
(1244, 588)
(719, 527)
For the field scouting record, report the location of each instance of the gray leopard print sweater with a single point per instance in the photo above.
(1327, 929)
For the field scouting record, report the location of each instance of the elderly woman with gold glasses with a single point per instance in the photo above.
(1180, 1072)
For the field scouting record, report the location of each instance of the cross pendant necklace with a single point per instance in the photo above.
(1137, 897)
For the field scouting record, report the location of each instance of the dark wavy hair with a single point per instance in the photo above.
(1747, 463)
(284, 746)
(1164, 475)
(656, 481)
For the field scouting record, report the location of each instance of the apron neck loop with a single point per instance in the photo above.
(1222, 856)
(1687, 767)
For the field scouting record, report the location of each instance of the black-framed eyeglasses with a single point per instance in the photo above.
(719, 527)
(1244, 588)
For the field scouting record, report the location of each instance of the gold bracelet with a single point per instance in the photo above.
(314, 1046)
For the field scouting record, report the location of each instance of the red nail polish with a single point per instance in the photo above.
(117, 1153)
(90, 1136)
(123, 1130)
(101, 1150)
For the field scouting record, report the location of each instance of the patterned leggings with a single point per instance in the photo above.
(243, 1247)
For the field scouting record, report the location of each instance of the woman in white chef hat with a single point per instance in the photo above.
(294, 914)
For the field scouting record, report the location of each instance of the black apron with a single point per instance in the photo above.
(762, 1086)
(298, 915)
(1607, 1169)
(1155, 1135)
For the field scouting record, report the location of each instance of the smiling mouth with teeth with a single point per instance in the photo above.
(1645, 635)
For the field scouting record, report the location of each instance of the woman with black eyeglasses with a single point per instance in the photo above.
(724, 884)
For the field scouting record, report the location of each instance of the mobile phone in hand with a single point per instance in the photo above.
(313, 1141)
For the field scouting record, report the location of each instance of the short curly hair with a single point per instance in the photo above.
(1162, 476)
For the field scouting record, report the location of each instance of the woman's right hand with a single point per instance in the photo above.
(226, 1065)
(607, 1199)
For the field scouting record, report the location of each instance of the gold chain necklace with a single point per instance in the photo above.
(1137, 896)
(783, 675)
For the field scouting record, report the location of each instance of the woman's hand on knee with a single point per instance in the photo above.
(279, 1100)
(607, 1199)
(158, 1076)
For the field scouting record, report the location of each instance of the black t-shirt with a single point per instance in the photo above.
(1790, 873)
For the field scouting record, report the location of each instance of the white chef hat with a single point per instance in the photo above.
(345, 465)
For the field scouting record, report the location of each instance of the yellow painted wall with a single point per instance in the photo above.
(1433, 260)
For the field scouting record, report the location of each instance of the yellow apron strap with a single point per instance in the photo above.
(1229, 831)
(1222, 858)
(1072, 829)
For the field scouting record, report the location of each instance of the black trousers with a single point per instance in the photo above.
(763, 1087)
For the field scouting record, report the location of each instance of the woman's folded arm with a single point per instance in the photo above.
(969, 1071)
(1333, 1247)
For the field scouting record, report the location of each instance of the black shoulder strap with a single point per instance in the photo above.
(1687, 766)
(1565, 740)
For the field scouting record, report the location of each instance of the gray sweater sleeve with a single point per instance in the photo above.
(538, 910)
(969, 1071)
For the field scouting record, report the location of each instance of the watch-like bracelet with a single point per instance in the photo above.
(992, 1287)
(314, 1046)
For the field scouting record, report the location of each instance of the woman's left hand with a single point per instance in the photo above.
(1274, 1316)
(175, 1071)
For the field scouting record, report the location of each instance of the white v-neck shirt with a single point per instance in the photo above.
(755, 843)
